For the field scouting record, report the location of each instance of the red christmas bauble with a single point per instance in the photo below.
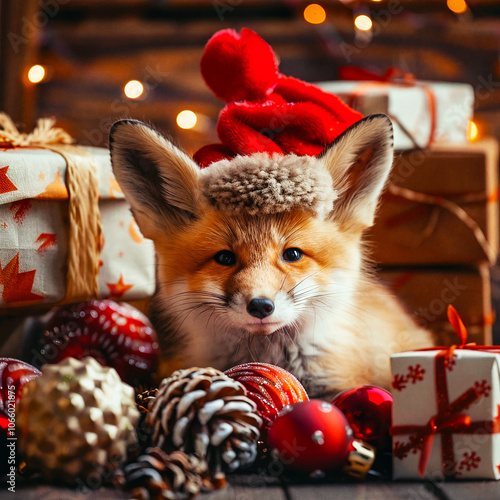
(312, 435)
(14, 375)
(270, 387)
(368, 410)
(4, 422)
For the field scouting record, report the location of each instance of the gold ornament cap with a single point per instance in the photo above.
(360, 459)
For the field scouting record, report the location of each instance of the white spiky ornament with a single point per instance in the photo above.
(78, 418)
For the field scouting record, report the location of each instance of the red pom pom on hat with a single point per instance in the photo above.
(266, 111)
(239, 67)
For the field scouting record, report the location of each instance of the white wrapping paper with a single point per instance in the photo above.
(34, 232)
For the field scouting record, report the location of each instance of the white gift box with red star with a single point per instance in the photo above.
(34, 231)
(446, 413)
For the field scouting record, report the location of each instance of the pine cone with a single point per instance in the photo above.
(77, 419)
(158, 475)
(144, 433)
(143, 399)
(203, 411)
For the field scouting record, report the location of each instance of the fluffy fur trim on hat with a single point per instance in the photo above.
(264, 184)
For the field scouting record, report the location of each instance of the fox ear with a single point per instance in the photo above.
(359, 162)
(159, 181)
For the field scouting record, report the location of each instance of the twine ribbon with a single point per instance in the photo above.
(392, 76)
(454, 208)
(84, 245)
(449, 419)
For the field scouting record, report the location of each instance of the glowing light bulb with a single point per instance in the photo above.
(457, 6)
(314, 14)
(363, 22)
(133, 89)
(473, 131)
(36, 73)
(186, 119)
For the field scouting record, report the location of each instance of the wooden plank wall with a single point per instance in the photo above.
(92, 47)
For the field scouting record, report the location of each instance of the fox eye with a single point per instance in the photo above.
(225, 258)
(292, 254)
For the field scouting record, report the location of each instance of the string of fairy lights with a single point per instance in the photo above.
(313, 13)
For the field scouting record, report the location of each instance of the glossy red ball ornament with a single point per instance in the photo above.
(14, 375)
(368, 410)
(4, 422)
(270, 387)
(312, 435)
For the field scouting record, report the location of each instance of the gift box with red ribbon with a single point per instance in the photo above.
(424, 113)
(66, 231)
(446, 411)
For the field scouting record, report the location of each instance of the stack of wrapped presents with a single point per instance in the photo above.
(436, 233)
(435, 240)
(66, 231)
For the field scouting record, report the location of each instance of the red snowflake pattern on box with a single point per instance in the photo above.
(450, 363)
(402, 449)
(483, 388)
(470, 461)
(413, 375)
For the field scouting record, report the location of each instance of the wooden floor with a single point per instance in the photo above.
(249, 487)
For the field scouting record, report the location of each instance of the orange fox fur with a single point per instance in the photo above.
(290, 231)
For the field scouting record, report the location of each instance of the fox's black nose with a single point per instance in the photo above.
(260, 308)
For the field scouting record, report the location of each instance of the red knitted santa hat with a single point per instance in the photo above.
(265, 111)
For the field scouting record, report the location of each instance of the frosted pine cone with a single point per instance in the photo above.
(78, 418)
(159, 475)
(203, 411)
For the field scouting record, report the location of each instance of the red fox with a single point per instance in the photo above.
(261, 257)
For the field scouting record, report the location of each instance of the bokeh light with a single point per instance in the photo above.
(473, 131)
(363, 22)
(36, 73)
(314, 14)
(186, 119)
(457, 6)
(133, 89)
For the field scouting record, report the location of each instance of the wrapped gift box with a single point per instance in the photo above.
(414, 107)
(446, 414)
(426, 294)
(440, 207)
(34, 232)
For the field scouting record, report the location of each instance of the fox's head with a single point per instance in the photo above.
(254, 244)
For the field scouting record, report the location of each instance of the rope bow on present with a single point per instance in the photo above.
(450, 418)
(439, 202)
(43, 134)
(84, 245)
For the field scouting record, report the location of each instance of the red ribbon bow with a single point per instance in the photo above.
(449, 418)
